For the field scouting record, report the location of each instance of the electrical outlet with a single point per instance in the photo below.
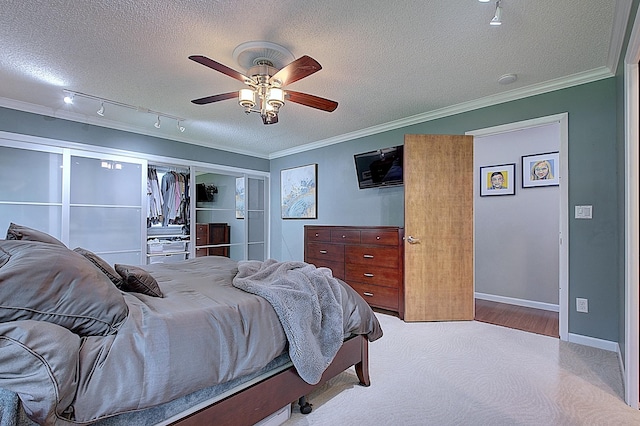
(582, 305)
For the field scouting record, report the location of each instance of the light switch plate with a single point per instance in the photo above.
(584, 212)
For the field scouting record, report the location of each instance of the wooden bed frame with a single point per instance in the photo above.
(258, 401)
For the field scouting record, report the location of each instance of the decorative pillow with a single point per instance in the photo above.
(138, 280)
(19, 232)
(48, 282)
(102, 265)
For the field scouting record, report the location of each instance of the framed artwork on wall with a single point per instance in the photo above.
(299, 198)
(498, 180)
(540, 169)
(240, 198)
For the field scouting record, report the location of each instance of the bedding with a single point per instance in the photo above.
(201, 332)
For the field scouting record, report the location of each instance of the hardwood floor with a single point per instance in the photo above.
(519, 317)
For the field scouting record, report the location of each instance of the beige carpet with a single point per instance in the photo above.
(472, 373)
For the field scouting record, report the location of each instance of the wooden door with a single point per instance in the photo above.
(438, 217)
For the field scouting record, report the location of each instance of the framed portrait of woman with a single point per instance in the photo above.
(540, 169)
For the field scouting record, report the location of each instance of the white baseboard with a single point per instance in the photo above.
(518, 302)
(607, 345)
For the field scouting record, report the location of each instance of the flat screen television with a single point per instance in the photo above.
(382, 167)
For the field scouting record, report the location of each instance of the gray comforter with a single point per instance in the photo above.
(204, 331)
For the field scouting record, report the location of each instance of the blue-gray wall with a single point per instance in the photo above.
(594, 249)
(54, 128)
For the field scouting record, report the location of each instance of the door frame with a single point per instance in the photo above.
(563, 238)
(631, 367)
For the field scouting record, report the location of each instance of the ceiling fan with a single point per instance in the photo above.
(266, 81)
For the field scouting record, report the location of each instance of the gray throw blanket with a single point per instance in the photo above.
(308, 302)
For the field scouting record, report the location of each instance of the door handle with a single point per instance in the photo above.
(412, 240)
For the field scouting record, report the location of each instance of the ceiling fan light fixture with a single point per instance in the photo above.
(497, 18)
(275, 97)
(247, 99)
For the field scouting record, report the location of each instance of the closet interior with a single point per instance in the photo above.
(168, 212)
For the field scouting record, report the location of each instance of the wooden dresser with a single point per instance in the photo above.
(368, 258)
(209, 234)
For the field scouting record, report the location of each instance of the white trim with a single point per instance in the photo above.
(512, 95)
(631, 367)
(606, 345)
(621, 15)
(563, 238)
(518, 302)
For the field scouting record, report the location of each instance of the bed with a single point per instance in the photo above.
(206, 340)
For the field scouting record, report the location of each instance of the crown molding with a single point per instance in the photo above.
(512, 95)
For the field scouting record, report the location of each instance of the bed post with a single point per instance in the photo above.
(362, 367)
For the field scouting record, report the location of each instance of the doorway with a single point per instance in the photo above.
(557, 302)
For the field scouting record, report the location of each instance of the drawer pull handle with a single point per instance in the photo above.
(366, 293)
(368, 256)
(368, 275)
(323, 252)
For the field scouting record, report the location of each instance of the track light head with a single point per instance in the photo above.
(68, 99)
(100, 112)
(497, 18)
(181, 128)
(157, 123)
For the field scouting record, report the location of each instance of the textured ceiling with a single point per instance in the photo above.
(382, 61)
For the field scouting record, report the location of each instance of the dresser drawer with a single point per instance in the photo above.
(371, 255)
(345, 236)
(385, 238)
(325, 251)
(381, 297)
(318, 234)
(387, 277)
(337, 268)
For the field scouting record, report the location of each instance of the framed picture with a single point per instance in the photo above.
(498, 180)
(240, 198)
(540, 169)
(299, 198)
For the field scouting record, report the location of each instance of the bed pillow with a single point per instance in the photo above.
(101, 264)
(138, 280)
(48, 282)
(19, 232)
(39, 361)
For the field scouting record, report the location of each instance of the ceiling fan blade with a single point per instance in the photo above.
(220, 68)
(296, 70)
(311, 101)
(215, 98)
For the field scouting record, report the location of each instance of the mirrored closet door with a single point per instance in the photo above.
(230, 215)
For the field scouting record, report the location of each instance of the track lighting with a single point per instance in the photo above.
(497, 18)
(69, 96)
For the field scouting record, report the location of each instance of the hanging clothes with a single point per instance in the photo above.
(174, 189)
(155, 201)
